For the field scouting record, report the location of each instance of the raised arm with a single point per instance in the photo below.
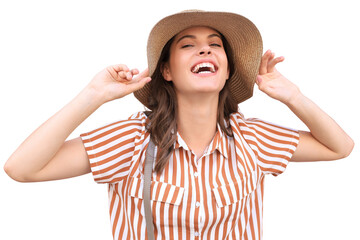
(326, 139)
(45, 155)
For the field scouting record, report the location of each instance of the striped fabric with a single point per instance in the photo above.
(219, 196)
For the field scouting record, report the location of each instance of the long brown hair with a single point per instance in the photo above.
(163, 102)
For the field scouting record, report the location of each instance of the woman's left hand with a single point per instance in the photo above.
(326, 139)
(273, 83)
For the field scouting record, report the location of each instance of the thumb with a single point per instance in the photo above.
(143, 74)
(136, 85)
(258, 80)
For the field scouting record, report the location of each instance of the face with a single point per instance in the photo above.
(197, 63)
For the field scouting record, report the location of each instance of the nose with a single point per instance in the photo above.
(204, 51)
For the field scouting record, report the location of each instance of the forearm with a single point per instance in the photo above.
(326, 140)
(41, 146)
(322, 127)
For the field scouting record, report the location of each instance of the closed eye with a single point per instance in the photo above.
(187, 45)
(215, 45)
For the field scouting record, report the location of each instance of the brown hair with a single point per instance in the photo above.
(163, 103)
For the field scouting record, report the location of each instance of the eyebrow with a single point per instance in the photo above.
(193, 37)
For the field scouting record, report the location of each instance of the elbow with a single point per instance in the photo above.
(347, 149)
(13, 173)
(350, 148)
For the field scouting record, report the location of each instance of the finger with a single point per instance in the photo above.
(271, 57)
(260, 82)
(137, 85)
(120, 67)
(264, 62)
(258, 79)
(123, 74)
(272, 64)
(129, 76)
(134, 71)
(143, 74)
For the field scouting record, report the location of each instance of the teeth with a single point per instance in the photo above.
(204, 65)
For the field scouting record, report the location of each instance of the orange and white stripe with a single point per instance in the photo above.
(219, 196)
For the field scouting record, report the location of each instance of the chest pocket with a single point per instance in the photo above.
(160, 192)
(234, 192)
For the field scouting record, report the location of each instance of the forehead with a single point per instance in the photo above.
(195, 31)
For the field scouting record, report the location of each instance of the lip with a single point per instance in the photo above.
(205, 61)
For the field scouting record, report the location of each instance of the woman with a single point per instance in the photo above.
(208, 178)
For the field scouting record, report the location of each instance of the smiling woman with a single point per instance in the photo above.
(192, 51)
(211, 162)
(191, 89)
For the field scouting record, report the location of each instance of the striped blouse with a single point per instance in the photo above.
(218, 196)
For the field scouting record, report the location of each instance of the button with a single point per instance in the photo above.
(197, 204)
(196, 174)
(197, 234)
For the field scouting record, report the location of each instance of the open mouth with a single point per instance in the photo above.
(204, 67)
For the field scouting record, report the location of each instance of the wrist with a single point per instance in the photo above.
(295, 100)
(92, 97)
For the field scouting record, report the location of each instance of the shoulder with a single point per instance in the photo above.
(113, 148)
(256, 125)
(132, 127)
(263, 135)
(272, 144)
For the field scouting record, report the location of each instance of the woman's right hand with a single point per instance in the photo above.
(117, 81)
(46, 155)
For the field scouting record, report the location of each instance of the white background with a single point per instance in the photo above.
(50, 50)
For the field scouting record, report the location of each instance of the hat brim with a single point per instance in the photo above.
(242, 35)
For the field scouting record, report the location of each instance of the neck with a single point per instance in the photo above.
(196, 121)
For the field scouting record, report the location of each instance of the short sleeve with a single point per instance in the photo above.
(110, 148)
(273, 145)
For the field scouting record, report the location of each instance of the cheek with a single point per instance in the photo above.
(177, 65)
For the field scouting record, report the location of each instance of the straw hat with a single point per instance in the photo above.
(242, 35)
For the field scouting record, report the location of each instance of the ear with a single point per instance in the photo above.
(165, 70)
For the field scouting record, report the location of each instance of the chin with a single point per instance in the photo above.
(209, 89)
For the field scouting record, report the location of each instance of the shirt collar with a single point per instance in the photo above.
(219, 142)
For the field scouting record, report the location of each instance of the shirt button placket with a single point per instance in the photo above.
(197, 198)
(197, 204)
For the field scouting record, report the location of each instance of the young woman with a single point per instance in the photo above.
(207, 181)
